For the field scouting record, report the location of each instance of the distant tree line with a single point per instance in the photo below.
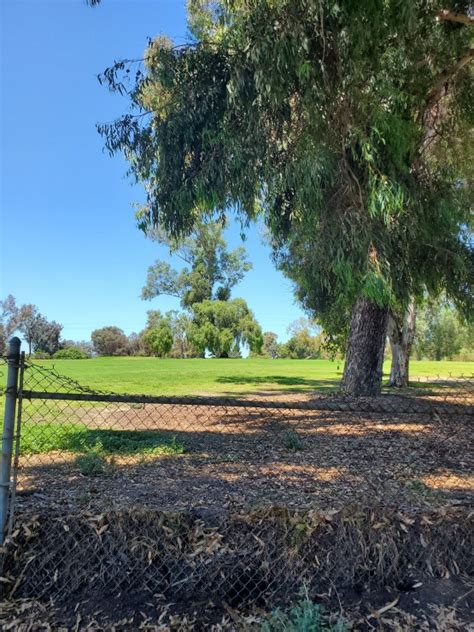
(219, 329)
(306, 342)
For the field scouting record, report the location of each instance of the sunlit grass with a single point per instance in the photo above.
(184, 377)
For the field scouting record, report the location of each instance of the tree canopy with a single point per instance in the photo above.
(109, 341)
(347, 125)
(210, 270)
(222, 327)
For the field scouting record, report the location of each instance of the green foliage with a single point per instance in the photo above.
(42, 355)
(306, 341)
(440, 332)
(8, 321)
(70, 353)
(167, 335)
(213, 270)
(3, 340)
(158, 337)
(222, 327)
(305, 616)
(180, 324)
(346, 124)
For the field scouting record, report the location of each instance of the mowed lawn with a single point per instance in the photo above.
(180, 377)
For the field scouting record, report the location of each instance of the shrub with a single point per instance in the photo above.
(42, 355)
(70, 353)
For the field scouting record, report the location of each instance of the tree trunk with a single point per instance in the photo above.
(401, 333)
(365, 348)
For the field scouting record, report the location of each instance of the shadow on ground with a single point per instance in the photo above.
(282, 380)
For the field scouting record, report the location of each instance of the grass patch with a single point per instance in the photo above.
(305, 616)
(48, 437)
(156, 376)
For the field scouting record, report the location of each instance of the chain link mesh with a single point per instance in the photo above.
(236, 500)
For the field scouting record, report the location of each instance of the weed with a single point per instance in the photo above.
(420, 489)
(84, 499)
(91, 464)
(305, 616)
(291, 441)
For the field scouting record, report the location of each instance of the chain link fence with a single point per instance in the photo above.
(244, 501)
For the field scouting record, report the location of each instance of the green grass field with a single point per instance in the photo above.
(180, 377)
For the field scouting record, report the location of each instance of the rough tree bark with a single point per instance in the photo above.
(365, 349)
(401, 333)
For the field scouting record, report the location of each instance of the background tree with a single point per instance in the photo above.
(441, 332)
(222, 327)
(26, 321)
(134, 346)
(158, 340)
(180, 324)
(70, 353)
(39, 333)
(210, 270)
(270, 346)
(44, 335)
(305, 340)
(8, 321)
(109, 341)
(345, 124)
(157, 337)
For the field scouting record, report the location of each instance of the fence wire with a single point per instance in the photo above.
(187, 497)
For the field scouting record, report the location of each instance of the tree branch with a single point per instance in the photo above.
(451, 16)
(438, 87)
(160, 293)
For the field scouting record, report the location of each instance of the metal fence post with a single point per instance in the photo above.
(11, 394)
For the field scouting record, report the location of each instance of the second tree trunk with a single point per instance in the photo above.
(401, 333)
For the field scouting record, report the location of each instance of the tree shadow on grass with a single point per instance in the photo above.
(283, 380)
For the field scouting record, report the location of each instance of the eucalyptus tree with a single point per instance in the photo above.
(345, 124)
(209, 270)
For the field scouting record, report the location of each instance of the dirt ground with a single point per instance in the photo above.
(440, 605)
(259, 456)
(411, 456)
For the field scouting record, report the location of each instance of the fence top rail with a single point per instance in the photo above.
(386, 403)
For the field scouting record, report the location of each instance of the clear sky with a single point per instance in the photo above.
(69, 242)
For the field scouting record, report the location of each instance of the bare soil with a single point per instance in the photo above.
(258, 456)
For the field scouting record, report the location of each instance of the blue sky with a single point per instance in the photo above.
(69, 242)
